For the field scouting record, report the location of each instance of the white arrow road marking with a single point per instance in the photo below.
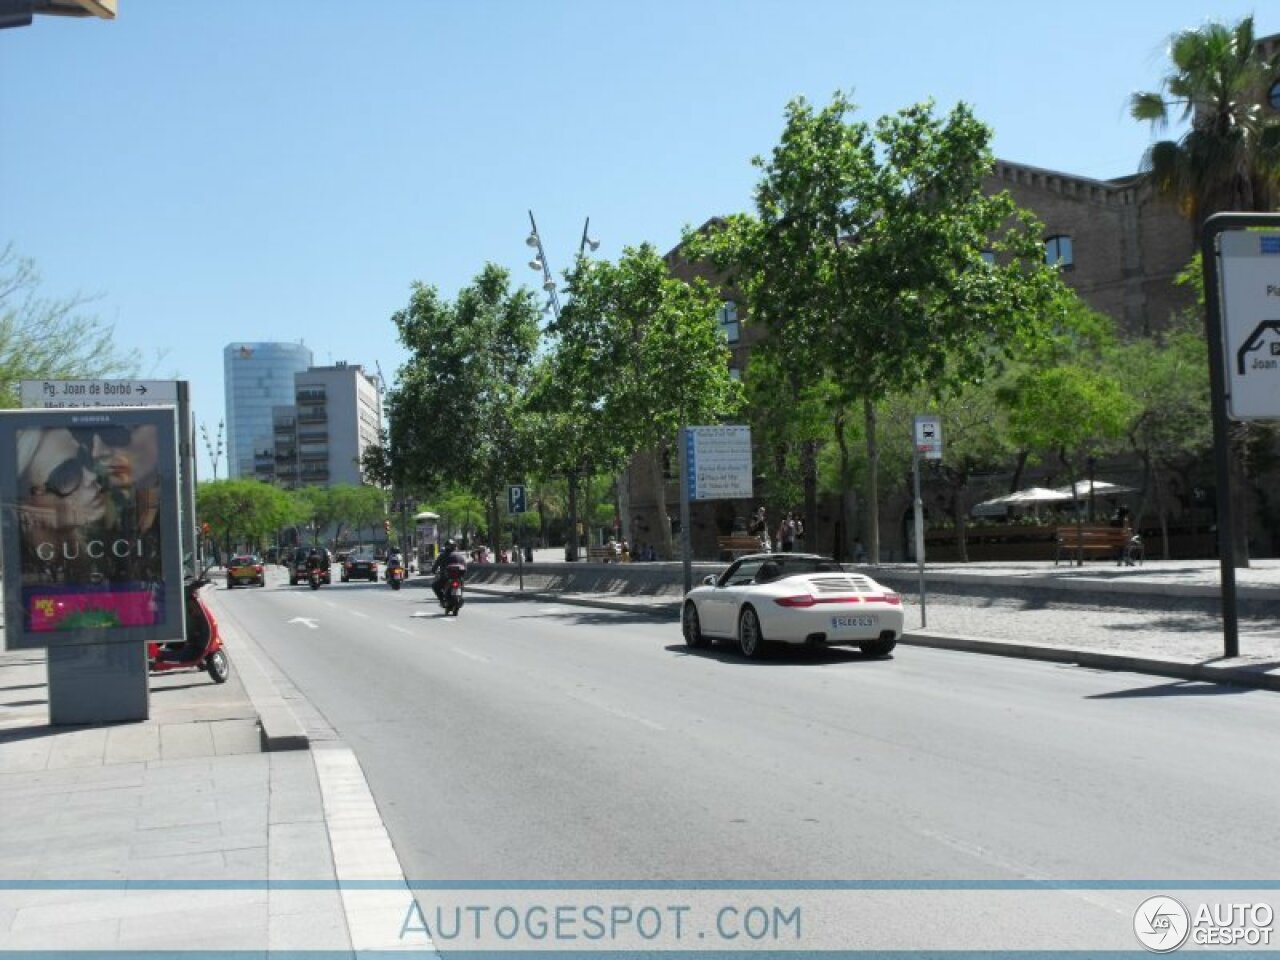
(311, 624)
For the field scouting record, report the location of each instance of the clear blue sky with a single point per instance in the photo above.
(284, 169)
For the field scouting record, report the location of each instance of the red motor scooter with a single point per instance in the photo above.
(203, 647)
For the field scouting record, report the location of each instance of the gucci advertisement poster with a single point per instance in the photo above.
(89, 526)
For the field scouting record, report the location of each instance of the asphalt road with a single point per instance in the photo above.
(534, 741)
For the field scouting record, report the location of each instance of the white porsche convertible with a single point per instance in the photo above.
(796, 598)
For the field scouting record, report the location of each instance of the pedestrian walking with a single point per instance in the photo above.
(787, 533)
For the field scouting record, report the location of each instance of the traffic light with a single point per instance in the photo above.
(386, 525)
(204, 528)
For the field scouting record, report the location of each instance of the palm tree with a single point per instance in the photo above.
(1229, 158)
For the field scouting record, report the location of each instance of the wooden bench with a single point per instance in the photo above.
(731, 548)
(1098, 541)
(602, 554)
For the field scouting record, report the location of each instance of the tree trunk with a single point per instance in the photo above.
(660, 500)
(810, 455)
(571, 535)
(840, 544)
(871, 521)
(1020, 465)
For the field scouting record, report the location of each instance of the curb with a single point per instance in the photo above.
(1091, 659)
(278, 726)
(1198, 672)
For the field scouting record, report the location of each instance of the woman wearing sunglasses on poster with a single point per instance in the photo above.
(62, 505)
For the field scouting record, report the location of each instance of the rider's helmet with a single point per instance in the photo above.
(450, 544)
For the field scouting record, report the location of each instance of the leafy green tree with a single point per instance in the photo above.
(792, 435)
(644, 355)
(976, 443)
(460, 511)
(876, 257)
(49, 338)
(1167, 378)
(243, 512)
(457, 412)
(1229, 158)
(1065, 397)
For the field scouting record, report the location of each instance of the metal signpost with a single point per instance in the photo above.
(715, 464)
(928, 441)
(1241, 255)
(515, 507)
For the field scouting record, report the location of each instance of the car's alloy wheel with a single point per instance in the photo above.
(750, 639)
(692, 627)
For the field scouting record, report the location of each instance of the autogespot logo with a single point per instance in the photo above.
(1161, 924)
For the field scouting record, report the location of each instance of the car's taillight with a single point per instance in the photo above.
(803, 600)
(257, 568)
(892, 598)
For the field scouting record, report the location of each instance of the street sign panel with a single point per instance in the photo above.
(1251, 322)
(515, 498)
(123, 392)
(719, 463)
(928, 434)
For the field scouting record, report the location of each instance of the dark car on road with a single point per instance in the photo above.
(298, 566)
(359, 566)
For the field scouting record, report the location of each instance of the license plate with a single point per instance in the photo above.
(851, 623)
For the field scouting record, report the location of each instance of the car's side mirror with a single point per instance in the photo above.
(709, 580)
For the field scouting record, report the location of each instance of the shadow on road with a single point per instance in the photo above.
(781, 655)
(1175, 688)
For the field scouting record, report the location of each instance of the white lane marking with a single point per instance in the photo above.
(470, 656)
(619, 713)
(312, 624)
(357, 613)
(399, 629)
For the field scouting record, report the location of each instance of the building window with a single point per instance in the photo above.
(988, 257)
(727, 315)
(1058, 253)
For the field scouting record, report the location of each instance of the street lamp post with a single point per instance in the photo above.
(214, 455)
(540, 263)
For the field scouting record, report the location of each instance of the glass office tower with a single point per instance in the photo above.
(257, 377)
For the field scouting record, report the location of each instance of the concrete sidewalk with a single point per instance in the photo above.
(208, 827)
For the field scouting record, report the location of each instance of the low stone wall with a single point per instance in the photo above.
(1062, 586)
(628, 579)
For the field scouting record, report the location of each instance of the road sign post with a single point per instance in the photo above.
(516, 505)
(1241, 257)
(928, 441)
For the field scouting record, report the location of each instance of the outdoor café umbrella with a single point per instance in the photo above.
(1101, 488)
(1030, 497)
